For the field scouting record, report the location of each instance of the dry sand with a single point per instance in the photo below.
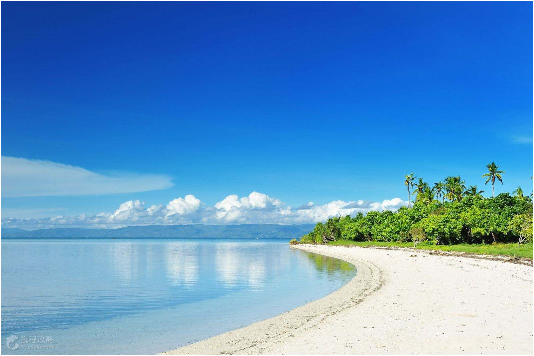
(400, 302)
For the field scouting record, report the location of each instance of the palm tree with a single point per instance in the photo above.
(438, 188)
(449, 188)
(420, 185)
(518, 192)
(428, 194)
(493, 173)
(473, 191)
(408, 182)
(454, 186)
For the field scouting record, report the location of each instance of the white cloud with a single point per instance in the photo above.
(252, 209)
(23, 177)
(255, 200)
(180, 206)
(235, 209)
(128, 211)
(317, 213)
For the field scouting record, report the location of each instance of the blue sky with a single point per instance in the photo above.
(303, 102)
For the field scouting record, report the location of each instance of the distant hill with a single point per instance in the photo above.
(252, 231)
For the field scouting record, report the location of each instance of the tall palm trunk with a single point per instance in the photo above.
(493, 186)
(409, 197)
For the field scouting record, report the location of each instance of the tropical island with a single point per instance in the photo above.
(447, 216)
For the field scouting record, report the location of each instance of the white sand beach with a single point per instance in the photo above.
(400, 302)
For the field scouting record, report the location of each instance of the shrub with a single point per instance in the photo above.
(521, 226)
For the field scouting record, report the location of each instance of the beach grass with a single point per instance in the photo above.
(503, 249)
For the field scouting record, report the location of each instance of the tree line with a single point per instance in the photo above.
(447, 212)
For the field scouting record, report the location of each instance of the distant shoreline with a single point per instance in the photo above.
(284, 239)
(420, 303)
(249, 231)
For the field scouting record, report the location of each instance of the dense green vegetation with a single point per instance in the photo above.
(448, 213)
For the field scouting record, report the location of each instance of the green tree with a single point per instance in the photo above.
(408, 182)
(427, 195)
(518, 192)
(493, 174)
(420, 188)
(521, 225)
(473, 191)
(469, 218)
(438, 188)
(454, 186)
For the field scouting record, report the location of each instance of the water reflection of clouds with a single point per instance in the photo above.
(256, 273)
(181, 261)
(227, 263)
(150, 260)
(124, 257)
(237, 266)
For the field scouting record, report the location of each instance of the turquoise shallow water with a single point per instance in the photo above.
(146, 296)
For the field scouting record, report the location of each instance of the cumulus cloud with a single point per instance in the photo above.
(246, 209)
(318, 213)
(255, 208)
(23, 177)
(128, 211)
(180, 206)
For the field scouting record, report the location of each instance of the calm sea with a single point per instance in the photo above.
(146, 296)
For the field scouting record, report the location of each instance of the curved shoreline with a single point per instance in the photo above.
(422, 304)
(262, 336)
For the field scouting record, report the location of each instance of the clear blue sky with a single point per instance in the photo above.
(299, 101)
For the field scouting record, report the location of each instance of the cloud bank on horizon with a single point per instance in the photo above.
(22, 177)
(256, 208)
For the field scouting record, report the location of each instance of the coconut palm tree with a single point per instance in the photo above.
(454, 186)
(518, 192)
(420, 188)
(408, 182)
(473, 191)
(493, 173)
(438, 189)
(427, 196)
